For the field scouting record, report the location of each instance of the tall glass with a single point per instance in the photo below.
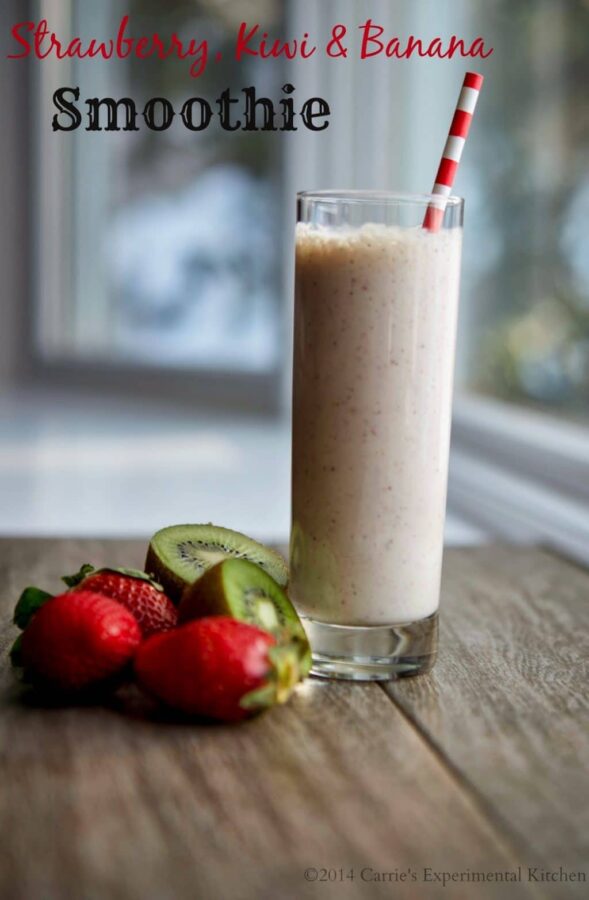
(376, 299)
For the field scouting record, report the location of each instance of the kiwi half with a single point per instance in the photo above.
(180, 554)
(242, 590)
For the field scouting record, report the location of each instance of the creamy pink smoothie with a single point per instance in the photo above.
(375, 326)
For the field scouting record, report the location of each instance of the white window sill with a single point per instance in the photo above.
(521, 474)
(79, 468)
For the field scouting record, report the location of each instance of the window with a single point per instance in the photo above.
(167, 251)
(520, 455)
(524, 331)
(527, 255)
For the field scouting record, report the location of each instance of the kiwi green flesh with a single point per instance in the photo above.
(253, 596)
(180, 554)
(240, 589)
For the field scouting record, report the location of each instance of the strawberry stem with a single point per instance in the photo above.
(74, 580)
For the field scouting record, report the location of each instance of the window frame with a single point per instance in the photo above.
(521, 474)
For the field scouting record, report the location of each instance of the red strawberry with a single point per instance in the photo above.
(78, 639)
(144, 598)
(217, 667)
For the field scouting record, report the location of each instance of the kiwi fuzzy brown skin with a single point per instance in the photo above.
(223, 542)
(206, 597)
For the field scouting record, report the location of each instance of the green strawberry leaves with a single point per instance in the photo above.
(293, 636)
(88, 569)
(287, 668)
(74, 580)
(261, 698)
(16, 653)
(31, 599)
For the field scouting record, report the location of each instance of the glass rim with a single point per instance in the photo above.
(376, 196)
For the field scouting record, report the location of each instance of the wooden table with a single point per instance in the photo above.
(480, 767)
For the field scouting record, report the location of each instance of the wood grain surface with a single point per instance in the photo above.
(508, 701)
(476, 768)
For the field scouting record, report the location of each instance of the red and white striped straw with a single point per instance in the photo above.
(453, 150)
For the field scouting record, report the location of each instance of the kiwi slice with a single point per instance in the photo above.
(180, 554)
(240, 589)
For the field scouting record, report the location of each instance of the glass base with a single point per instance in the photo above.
(372, 653)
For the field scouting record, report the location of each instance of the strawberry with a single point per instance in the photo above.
(143, 597)
(76, 640)
(217, 667)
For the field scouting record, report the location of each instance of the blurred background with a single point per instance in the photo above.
(145, 322)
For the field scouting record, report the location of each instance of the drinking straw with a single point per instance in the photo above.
(459, 128)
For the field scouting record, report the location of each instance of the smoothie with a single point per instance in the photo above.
(375, 325)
